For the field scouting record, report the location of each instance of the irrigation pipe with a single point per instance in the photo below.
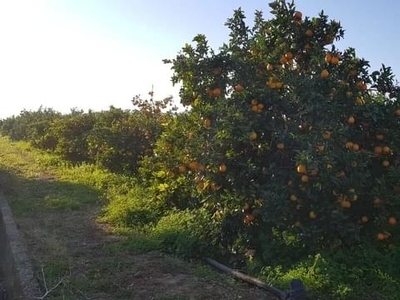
(297, 292)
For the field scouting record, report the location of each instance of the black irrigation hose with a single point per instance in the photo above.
(297, 292)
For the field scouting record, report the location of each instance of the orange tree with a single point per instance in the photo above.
(287, 140)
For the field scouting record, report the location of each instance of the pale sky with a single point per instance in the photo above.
(96, 53)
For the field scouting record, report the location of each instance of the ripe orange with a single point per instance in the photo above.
(289, 56)
(378, 150)
(364, 219)
(253, 136)
(309, 33)
(377, 201)
(385, 149)
(260, 106)
(349, 145)
(351, 120)
(283, 60)
(302, 169)
(280, 146)
(216, 92)
(254, 102)
(324, 73)
(356, 147)
(239, 88)
(278, 85)
(361, 85)
(207, 123)
(328, 58)
(381, 236)
(222, 168)
(298, 15)
(293, 197)
(312, 215)
(386, 163)
(334, 60)
(321, 148)
(304, 178)
(182, 169)
(345, 204)
(392, 221)
(326, 135)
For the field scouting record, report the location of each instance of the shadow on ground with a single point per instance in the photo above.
(82, 259)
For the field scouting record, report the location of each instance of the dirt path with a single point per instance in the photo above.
(73, 246)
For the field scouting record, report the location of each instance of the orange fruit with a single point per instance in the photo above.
(302, 169)
(378, 150)
(222, 168)
(283, 60)
(356, 147)
(364, 219)
(324, 73)
(351, 120)
(254, 102)
(293, 197)
(361, 85)
(239, 88)
(326, 135)
(278, 85)
(280, 146)
(349, 145)
(381, 236)
(334, 60)
(380, 137)
(377, 201)
(321, 148)
(328, 58)
(392, 221)
(253, 136)
(386, 163)
(260, 106)
(216, 92)
(386, 150)
(345, 204)
(312, 215)
(182, 169)
(309, 33)
(297, 224)
(207, 123)
(289, 56)
(298, 15)
(304, 178)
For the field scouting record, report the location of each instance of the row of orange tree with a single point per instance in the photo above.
(287, 140)
(115, 139)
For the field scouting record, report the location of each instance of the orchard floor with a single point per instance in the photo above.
(75, 257)
(73, 247)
